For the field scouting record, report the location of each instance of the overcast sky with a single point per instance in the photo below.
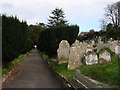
(85, 13)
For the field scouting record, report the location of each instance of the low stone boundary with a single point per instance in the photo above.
(86, 82)
(5, 77)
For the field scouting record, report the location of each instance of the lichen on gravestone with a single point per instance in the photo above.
(104, 57)
(63, 50)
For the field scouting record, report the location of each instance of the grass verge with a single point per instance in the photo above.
(12, 64)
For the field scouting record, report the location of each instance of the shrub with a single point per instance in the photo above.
(50, 38)
(14, 38)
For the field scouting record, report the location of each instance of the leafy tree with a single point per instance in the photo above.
(112, 31)
(89, 35)
(41, 25)
(57, 30)
(57, 18)
(33, 32)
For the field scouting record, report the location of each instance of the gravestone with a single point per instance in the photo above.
(89, 49)
(106, 46)
(80, 52)
(78, 49)
(104, 57)
(63, 51)
(74, 59)
(93, 42)
(113, 45)
(83, 46)
(91, 58)
(117, 50)
(80, 43)
(100, 45)
(76, 43)
(109, 42)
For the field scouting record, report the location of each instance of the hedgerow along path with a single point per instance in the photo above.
(33, 73)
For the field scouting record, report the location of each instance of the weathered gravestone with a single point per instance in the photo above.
(76, 43)
(109, 43)
(63, 51)
(78, 48)
(100, 45)
(83, 46)
(106, 45)
(113, 45)
(80, 43)
(88, 49)
(74, 59)
(104, 57)
(117, 50)
(91, 58)
(93, 42)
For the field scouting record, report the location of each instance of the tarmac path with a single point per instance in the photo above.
(33, 73)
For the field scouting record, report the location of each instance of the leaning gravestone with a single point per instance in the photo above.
(117, 50)
(74, 59)
(91, 58)
(104, 57)
(63, 51)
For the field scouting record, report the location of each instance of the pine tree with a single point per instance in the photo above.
(57, 18)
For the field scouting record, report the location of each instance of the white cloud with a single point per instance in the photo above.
(76, 11)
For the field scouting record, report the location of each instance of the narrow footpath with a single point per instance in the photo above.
(33, 73)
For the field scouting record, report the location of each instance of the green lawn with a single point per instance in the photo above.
(107, 73)
(62, 69)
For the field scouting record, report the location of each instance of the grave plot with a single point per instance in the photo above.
(101, 66)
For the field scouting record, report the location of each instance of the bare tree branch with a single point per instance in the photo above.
(113, 13)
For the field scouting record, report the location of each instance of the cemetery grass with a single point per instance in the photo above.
(106, 73)
(60, 68)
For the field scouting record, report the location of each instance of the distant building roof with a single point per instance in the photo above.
(83, 33)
